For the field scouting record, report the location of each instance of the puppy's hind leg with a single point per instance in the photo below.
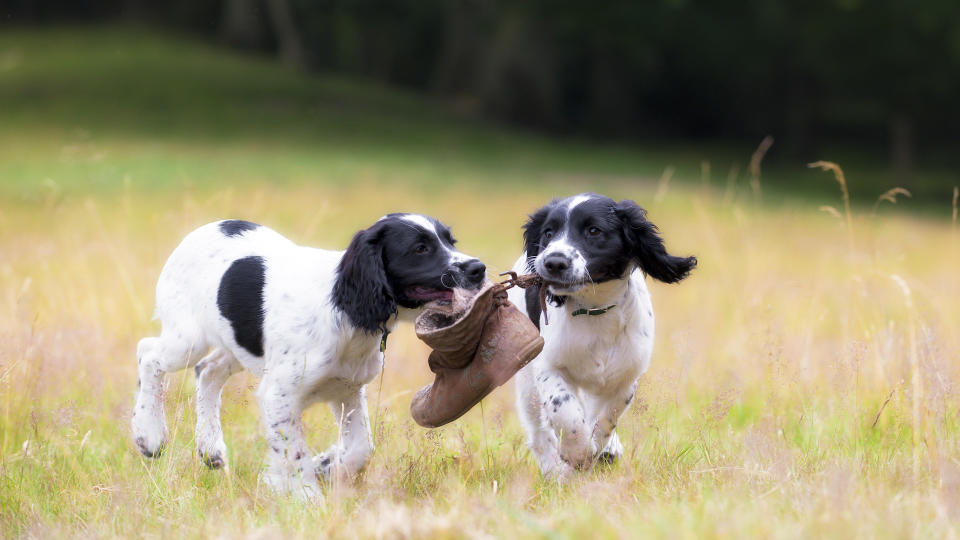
(157, 356)
(212, 373)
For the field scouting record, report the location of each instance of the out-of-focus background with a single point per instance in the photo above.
(873, 85)
(804, 379)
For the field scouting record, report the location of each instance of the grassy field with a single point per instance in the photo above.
(804, 380)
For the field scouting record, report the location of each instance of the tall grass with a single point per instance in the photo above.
(755, 160)
(842, 181)
(778, 404)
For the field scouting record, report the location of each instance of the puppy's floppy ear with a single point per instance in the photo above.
(647, 246)
(532, 230)
(361, 289)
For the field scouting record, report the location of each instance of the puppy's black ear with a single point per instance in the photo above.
(361, 289)
(532, 230)
(647, 246)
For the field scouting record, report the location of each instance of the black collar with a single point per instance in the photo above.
(592, 311)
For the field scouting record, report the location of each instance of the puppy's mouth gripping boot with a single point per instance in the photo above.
(477, 347)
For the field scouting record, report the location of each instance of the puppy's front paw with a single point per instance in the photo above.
(213, 459)
(330, 467)
(606, 458)
(577, 449)
(612, 452)
(323, 464)
(149, 431)
(212, 450)
(303, 487)
(559, 471)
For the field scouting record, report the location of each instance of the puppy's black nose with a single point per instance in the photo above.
(474, 270)
(556, 264)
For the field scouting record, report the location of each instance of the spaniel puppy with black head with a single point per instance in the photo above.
(593, 254)
(311, 323)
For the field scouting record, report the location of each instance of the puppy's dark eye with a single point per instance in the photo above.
(420, 249)
(593, 232)
(547, 234)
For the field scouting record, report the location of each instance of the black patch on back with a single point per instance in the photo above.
(236, 227)
(240, 299)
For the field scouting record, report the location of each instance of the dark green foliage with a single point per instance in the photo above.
(881, 73)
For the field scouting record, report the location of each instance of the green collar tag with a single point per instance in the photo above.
(592, 311)
(383, 342)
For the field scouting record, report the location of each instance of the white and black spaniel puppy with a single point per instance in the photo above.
(593, 254)
(311, 323)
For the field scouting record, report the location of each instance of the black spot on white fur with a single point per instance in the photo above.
(236, 227)
(240, 299)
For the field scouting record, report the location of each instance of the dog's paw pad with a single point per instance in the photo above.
(607, 458)
(322, 465)
(577, 454)
(146, 450)
(212, 461)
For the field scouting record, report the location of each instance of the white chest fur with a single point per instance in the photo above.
(596, 351)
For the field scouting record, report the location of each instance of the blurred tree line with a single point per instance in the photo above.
(881, 72)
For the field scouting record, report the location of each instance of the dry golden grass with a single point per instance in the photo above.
(803, 382)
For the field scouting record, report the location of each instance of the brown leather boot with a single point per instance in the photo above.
(478, 352)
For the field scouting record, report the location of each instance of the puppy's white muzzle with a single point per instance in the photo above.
(562, 265)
